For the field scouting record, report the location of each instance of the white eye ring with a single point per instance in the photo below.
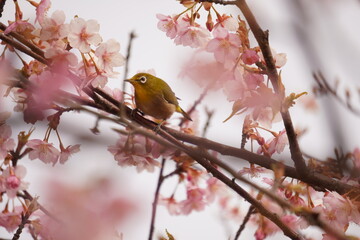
(142, 79)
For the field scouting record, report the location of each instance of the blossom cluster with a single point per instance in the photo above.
(224, 59)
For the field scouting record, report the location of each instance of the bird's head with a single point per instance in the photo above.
(142, 79)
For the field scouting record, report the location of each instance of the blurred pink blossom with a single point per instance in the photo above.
(339, 210)
(250, 56)
(6, 142)
(11, 220)
(356, 157)
(195, 200)
(42, 9)
(135, 151)
(214, 188)
(204, 70)
(91, 212)
(233, 84)
(171, 204)
(19, 26)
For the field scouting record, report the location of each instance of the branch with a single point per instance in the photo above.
(246, 219)
(325, 88)
(156, 198)
(23, 40)
(262, 37)
(2, 4)
(21, 48)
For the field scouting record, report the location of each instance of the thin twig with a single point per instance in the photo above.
(325, 88)
(156, 198)
(28, 196)
(126, 72)
(209, 114)
(196, 103)
(2, 4)
(246, 219)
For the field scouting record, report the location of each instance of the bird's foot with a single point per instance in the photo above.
(136, 110)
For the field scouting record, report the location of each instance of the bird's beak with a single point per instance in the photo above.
(129, 80)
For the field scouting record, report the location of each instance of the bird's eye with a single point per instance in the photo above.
(142, 79)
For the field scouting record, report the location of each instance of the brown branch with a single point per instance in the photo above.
(209, 114)
(22, 48)
(24, 41)
(262, 37)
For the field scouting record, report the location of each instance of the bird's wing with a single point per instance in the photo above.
(169, 95)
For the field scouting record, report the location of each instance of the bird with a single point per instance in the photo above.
(154, 97)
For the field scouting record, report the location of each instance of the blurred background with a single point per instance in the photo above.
(317, 36)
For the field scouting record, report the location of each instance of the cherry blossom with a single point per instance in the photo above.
(61, 59)
(195, 200)
(253, 171)
(252, 80)
(54, 27)
(234, 85)
(11, 220)
(191, 35)
(13, 182)
(275, 144)
(356, 157)
(250, 56)
(279, 58)
(278, 143)
(225, 46)
(6, 142)
(41, 10)
(88, 74)
(214, 187)
(83, 34)
(67, 152)
(264, 115)
(167, 24)
(43, 150)
(227, 22)
(109, 56)
(134, 151)
(171, 204)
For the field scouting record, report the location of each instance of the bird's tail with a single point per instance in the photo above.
(180, 110)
